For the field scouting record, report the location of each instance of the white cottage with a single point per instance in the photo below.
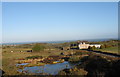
(85, 46)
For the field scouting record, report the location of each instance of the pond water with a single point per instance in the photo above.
(22, 64)
(51, 69)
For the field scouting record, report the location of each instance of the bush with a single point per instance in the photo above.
(107, 46)
(38, 47)
(91, 48)
(102, 47)
(78, 53)
(4, 51)
(34, 57)
(74, 59)
(81, 53)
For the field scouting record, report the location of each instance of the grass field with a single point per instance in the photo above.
(110, 50)
(15, 49)
(8, 58)
(9, 64)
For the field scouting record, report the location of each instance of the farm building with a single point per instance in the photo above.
(85, 46)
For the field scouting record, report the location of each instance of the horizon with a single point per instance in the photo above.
(53, 21)
(62, 41)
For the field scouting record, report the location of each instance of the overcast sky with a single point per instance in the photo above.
(52, 21)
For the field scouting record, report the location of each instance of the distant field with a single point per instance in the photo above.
(15, 49)
(110, 50)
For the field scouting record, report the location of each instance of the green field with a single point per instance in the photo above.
(109, 50)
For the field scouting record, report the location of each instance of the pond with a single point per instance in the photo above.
(51, 69)
(22, 64)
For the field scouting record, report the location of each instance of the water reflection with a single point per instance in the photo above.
(51, 69)
(22, 64)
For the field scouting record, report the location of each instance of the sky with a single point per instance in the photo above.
(56, 21)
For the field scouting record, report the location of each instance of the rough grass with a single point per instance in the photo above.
(9, 58)
(15, 49)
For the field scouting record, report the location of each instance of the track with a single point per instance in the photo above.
(105, 53)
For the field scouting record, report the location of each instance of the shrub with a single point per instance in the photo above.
(78, 53)
(33, 57)
(81, 53)
(38, 47)
(91, 48)
(102, 46)
(107, 46)
(74, 59)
